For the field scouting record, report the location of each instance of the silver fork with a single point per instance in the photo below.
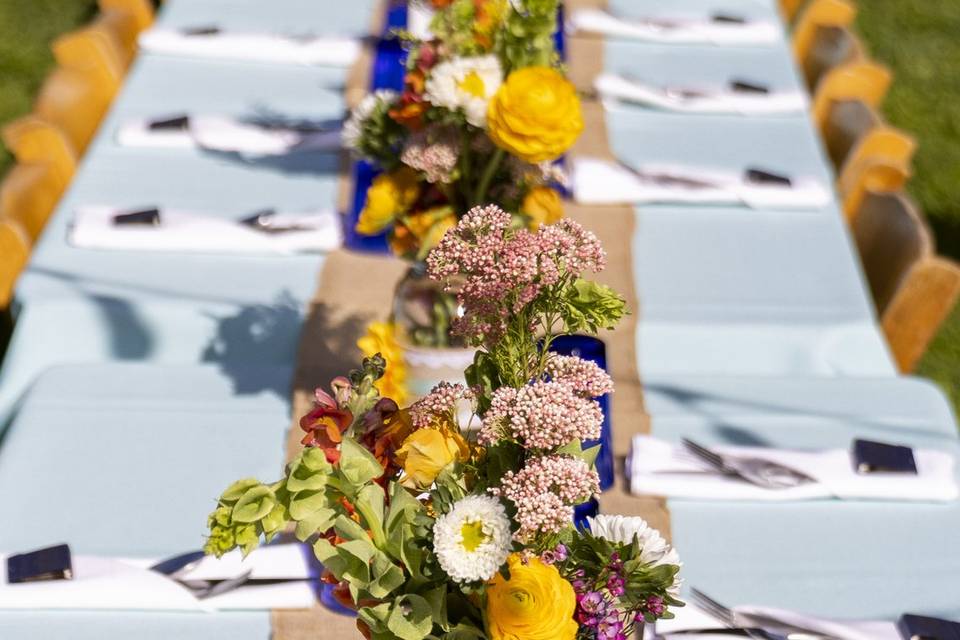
(755, 626)
(763, 473)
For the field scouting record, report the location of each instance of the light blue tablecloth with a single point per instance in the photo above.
(80, 305)
(127, 460)
(847, 559)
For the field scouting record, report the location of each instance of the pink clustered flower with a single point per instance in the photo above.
(442, 400)
(434, 151)
(584, 376)
(541, 415)
(498, 270)
(545, 491)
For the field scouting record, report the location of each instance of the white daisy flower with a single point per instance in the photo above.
(653, 547)
(473, 540)
(467, 84)
(353, 127)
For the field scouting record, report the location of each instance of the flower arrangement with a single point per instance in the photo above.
(454, 517)
(484, 111)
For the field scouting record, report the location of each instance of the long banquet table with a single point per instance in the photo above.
(750, 322)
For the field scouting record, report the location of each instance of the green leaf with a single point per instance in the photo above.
(306, 503)
(572, 448)
(483, 373)
(357, 465)
(370, 501)
(410, 617)
(235, 491)
(317, 522)
(348, 529)
(589, 455)
(438, 606)
(309, 471)
(255, 503)
(590, 306)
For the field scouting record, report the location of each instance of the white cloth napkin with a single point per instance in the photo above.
(691, 617)
(599, 181)
(714, 100)
(657, 467)
(419, 16)
(223, 133)
(184, 231)
(332, 50)
(676, 30)
(118, 583)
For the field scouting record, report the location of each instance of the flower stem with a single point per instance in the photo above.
(492, 166)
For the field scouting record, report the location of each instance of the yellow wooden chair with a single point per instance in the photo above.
(78, 93)
(125, 19)
(862, 80)
(817, 15)
(28, 195)
(914, 289)
(33, 140)
(882, 144)
(877, 177)
(14, 251)
(848, 121)
(832, 46)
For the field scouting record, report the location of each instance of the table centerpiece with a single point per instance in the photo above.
(453, 517)
(484, 113)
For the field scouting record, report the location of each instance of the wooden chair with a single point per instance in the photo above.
(882, 144)
(848, 121)
(832, 46)
(125, 19)
(877, 177)
(28, 195)
(914, 289)
(14, 251)
(78, 93)
(33, 140)
(861, 80)
(819, 14)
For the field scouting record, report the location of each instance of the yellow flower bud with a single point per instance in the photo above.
(391, 195)
(543, 205)
(536, 603)
(426, 452)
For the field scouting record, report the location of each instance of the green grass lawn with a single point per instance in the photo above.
(920, 41)
(26, 29)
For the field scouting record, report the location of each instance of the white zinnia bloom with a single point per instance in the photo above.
(467, 84)
(653, 547)
(473, 540)
(353, 127)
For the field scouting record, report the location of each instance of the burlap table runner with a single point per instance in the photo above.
(355, 289)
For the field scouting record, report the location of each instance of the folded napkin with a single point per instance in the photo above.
(676, 30)
(119, 583)
(707, 100)
(657, 467)
(223, 133)
(419, 16)
(691, 617)
(332, 50)
(599, 181)
(93, 228)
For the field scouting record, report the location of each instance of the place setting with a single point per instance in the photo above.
(720, 28)
(163, 229)
(250, 135)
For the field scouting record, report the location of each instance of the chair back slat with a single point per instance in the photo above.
(818, 14)
(14, 251)
(846, 124)
(860, 80)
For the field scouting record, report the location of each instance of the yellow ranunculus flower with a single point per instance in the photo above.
(426, 452)
(391, 195)
(536, 603)
(535, 114)
(543, 205)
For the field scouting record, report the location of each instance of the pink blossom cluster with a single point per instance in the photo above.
(541, 415)
(442, 400)
(545, 492)
(584, 376)
(498, 271)
(434, 151)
